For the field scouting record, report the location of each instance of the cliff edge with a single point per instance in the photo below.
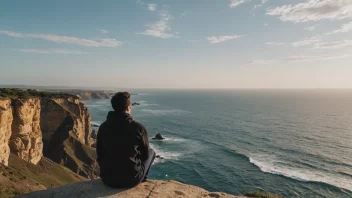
(150, 189)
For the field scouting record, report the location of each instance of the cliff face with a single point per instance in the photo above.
(152, 188)
(55, 111)
(6, 118)
(66, 149)
(60, 125)
(95, 95)
(26, 137)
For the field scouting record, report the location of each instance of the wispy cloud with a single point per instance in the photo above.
(103, 31)
(235, 3)
(220, 39)
(13, 34)
(152, 7)
(307, 41)
(333, 45)
(303, 58)
(161, 28)
(275, 43)
(299, 58)
(314, 10)
(260, 4)
(344, 29)
(52, 51)
(311, 28)
(107, 42)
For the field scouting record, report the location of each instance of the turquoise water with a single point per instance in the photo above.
(295, 143)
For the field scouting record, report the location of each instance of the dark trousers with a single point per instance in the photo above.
(147, 164)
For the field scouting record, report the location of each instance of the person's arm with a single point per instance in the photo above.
(144, 143)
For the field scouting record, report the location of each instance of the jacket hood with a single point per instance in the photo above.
(114, 116)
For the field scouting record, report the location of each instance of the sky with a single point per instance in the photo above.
(177, 43)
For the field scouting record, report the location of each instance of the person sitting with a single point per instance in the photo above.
(124, 155)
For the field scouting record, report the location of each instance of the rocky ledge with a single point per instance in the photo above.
(150, 189)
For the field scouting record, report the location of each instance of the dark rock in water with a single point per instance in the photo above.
(158, 137)
(159, 157)
(135, 104)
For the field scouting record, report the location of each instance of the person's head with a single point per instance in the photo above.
(121, 102)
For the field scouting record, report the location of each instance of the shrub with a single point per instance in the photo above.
(31, 93)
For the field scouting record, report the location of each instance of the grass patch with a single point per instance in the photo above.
(6, 191)
(46, 173)
(31, 93)
(259, 194)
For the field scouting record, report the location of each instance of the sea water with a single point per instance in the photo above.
(297, 143)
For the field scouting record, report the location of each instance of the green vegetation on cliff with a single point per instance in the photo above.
(15, 93)
(22, 177)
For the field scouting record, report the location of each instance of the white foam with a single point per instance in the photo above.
(95, 123)
(144, 103)
(166, 155)
(170, 139)
(164, 112)
(271, 165)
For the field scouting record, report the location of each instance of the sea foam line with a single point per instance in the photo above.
(164, 112)
(302, 174)
(166, 155)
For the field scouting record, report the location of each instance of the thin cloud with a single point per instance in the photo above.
(52, 51)
(344, 29)
(313, 10)
(333, 45)
(299, 58)
(103, 31)
(311, 28)
(260, 5)
(13, 34)
(275, 43)
(220, 39)
(303, 58)
(307, 41)
(235, 3)
(152, 7)
(107, 42)
(161, 28)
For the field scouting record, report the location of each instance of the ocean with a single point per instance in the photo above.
(297, 143)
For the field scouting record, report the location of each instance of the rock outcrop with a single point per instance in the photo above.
(57, 126)
(150, 189)
(94, 95)
(66, 149)
(6, 118)
(55, 111)
(26, 135)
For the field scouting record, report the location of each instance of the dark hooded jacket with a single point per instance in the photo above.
(122, 145)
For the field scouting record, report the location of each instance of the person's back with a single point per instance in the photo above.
(123, 149)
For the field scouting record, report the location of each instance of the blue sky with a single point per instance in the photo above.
(177, 43)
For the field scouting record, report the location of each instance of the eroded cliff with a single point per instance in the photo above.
(26, 135)
(58, 127)
(6, 118)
